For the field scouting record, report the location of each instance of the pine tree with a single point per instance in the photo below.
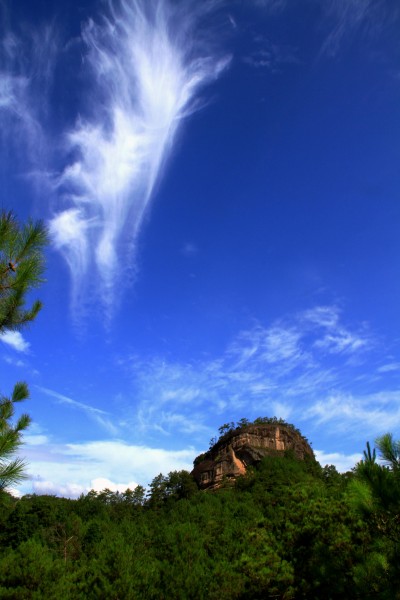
(375, 494)
(21, 269)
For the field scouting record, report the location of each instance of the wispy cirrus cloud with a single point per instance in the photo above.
(293, 366)
(374, 412)
(340, 20)
(276, 369)
(27, 66)
(349, 17)
(146, 63)
(101, 417)
(336, 338)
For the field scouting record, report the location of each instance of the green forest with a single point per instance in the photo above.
(287, 529)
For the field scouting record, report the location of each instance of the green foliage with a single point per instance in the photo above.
(283, 532)
(12, 469)
(178, 485)
(389, 452)
(228, 428)
(21, 268)
(374, 494)
(287, 530)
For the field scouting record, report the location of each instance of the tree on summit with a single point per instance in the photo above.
(21, 269)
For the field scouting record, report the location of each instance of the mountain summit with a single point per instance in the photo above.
(242, 447)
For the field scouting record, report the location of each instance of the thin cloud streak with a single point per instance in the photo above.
(100, 416)
(352, 16)
(146, 63)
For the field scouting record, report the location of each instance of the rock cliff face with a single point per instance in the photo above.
(239, 449)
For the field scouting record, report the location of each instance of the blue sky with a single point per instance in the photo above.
(221, 185)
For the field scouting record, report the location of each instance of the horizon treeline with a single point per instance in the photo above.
(287, 529)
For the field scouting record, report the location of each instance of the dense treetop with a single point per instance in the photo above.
(289, 529)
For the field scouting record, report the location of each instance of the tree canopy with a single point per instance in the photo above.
(21, 269)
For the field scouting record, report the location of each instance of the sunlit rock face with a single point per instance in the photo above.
(234, 452)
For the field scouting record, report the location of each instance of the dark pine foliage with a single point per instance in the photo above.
(289, 529)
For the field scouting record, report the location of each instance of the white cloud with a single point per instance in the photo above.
(15, 340)
(343, 462)
(69, 229)
(73, 469)
(35, 439)
(66, 490)
(101, 483)
(74, 490)
(146, 64)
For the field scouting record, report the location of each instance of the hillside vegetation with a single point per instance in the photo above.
(287, 529)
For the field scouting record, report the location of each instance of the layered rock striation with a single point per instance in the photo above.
(237, 450)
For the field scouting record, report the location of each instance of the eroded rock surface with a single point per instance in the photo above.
(239, 449)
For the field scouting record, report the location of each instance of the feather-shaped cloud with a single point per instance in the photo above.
(146, 63)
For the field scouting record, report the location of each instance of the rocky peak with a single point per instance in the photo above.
(235, 451)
